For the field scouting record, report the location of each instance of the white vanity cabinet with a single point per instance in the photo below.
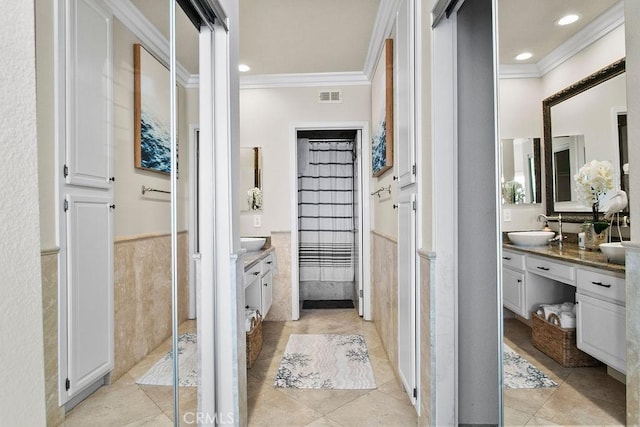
(528, 281)
(600, 316)
(258, 284)
(513, 286)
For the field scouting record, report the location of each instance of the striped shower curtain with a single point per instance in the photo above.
(326, 210)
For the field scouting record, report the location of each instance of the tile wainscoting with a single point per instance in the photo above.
(142, 296)
(384, 292)
(633, 333)
(427, 277)
(281, 304)
(49, 268)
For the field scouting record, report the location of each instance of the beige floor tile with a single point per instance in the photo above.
(158, 421)
(323, 401)
(570, 407)
(537, 421)
(527, 400)
(120, 403)
(162, 396)
(375, 408)
(513, 417)
(392, 388)
(277, 409)
(324, 422)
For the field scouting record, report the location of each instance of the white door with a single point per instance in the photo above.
(406, 293)
(404, 85)
(90, 290)
(85, 194)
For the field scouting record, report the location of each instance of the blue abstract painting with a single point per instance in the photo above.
(382, 112)
(379, 148)
(152, 113)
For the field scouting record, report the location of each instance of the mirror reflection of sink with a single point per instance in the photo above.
(614, 252)
(252, 243)
(530, 238)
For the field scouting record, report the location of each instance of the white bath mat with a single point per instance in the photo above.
(519, 373)
(162, 372)
(326, 362)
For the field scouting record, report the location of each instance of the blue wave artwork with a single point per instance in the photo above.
(155, 145)
(379, 143)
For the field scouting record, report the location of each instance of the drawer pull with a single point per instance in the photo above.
(601, 284)
(507, 258)
(543, 268)
(255, 273)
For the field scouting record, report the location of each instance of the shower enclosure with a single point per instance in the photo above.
(327, 216)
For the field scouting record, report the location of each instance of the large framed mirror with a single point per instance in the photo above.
(585, 121)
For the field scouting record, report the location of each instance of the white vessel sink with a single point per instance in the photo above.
(252, 243)
(530, 238)
(613, 251)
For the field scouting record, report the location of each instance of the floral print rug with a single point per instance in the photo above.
(161, 373)
(326, 361)
(519, 373)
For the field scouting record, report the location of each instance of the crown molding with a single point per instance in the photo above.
(267, 81)
(152, 39)
(385, 19)
(598, 28)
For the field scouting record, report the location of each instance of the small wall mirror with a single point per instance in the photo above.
(584, 122)
(250, 179)
(521, 181)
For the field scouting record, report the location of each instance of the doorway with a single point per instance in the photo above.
(322, 274)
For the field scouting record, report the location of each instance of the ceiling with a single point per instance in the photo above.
(320, 36)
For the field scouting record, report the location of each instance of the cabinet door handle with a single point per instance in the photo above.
(255, 273)
(508, 258)
(519, 280)
(266, 284)
(601, 284)
(543, 268)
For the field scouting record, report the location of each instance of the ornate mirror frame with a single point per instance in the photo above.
(587, 83)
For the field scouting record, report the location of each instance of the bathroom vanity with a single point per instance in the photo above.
(549, 274)
(258, 279)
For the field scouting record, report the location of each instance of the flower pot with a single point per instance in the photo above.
(592, 239)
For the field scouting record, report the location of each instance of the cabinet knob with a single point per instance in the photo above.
(269, 262)
(508, 258)
(266, 284)
(255, 273)
(519, 280)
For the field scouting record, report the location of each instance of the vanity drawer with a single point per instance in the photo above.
(559, 271)
(601, 284)
(513, 259)
(252, 274)
(267, 264)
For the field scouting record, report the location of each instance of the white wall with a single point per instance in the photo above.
(266, 117)
(22, 397)
(136, 214)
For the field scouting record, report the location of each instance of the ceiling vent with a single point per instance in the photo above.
(330, 96)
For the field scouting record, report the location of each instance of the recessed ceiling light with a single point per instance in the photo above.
(243, 68)
(524, 56)
(568, 19)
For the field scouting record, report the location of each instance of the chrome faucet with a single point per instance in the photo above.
(559, 237)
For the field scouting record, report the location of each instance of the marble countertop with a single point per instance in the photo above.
(571, 253)
(252, 258)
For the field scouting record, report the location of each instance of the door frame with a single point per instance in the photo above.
(365, 231)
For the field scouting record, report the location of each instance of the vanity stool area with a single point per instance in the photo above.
(549, 274)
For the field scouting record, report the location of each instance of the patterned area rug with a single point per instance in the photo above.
(326, 362)
(519, 373)
(161, 373)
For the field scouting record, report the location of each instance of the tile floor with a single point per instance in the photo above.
(584, 396)
(268, 406)
(126, 403)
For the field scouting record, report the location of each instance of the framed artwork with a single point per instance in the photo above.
(382, 112)
(151, 112)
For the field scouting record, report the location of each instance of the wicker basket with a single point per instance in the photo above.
(559, 343)
(254, 340)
